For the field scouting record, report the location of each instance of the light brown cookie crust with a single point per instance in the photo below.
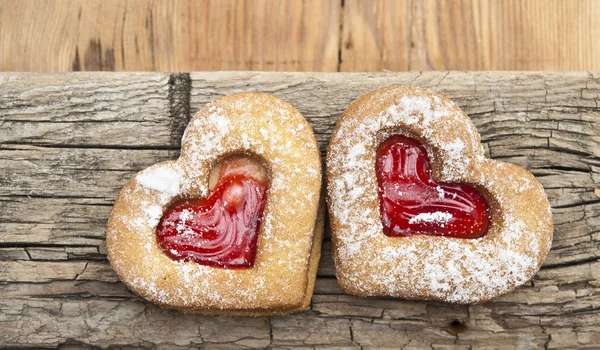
(369, 263)
(280, 281)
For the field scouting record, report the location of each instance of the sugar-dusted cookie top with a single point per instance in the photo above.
(431, 267)
(251, 123)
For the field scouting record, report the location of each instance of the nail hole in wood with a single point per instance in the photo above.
(455, 327)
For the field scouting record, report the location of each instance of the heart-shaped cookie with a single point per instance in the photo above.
(425, 260)
(166, 248)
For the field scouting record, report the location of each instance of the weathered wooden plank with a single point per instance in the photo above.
(333, 315)
(121, 323)
(124, 110)
(72, 172)
(56, 191)
(547, 96)
(64, 195)
(53, 221)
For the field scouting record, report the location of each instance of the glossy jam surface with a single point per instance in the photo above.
(410, 202)
(222, 229)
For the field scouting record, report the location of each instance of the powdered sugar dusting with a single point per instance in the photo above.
(454, 154)
(154, 214)
(164, 180)
(437, 216)
(420, 266)
(248, 123)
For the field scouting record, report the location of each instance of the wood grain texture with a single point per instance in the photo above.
(309, 35)
(470, 35)
(182, 35)
(66, 154)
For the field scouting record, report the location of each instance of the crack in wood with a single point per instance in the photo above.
(180, 87)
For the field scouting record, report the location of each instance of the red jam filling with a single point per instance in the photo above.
(410, 202)
(222, 229)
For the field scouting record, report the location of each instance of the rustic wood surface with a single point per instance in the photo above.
(309, 35)
(70, 141)
(401, 35)
(180, 35)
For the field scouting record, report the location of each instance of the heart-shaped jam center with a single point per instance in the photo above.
(222, 229)
(410, 202)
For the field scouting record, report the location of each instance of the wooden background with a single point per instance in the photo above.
(293, 35)
(70, 141)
